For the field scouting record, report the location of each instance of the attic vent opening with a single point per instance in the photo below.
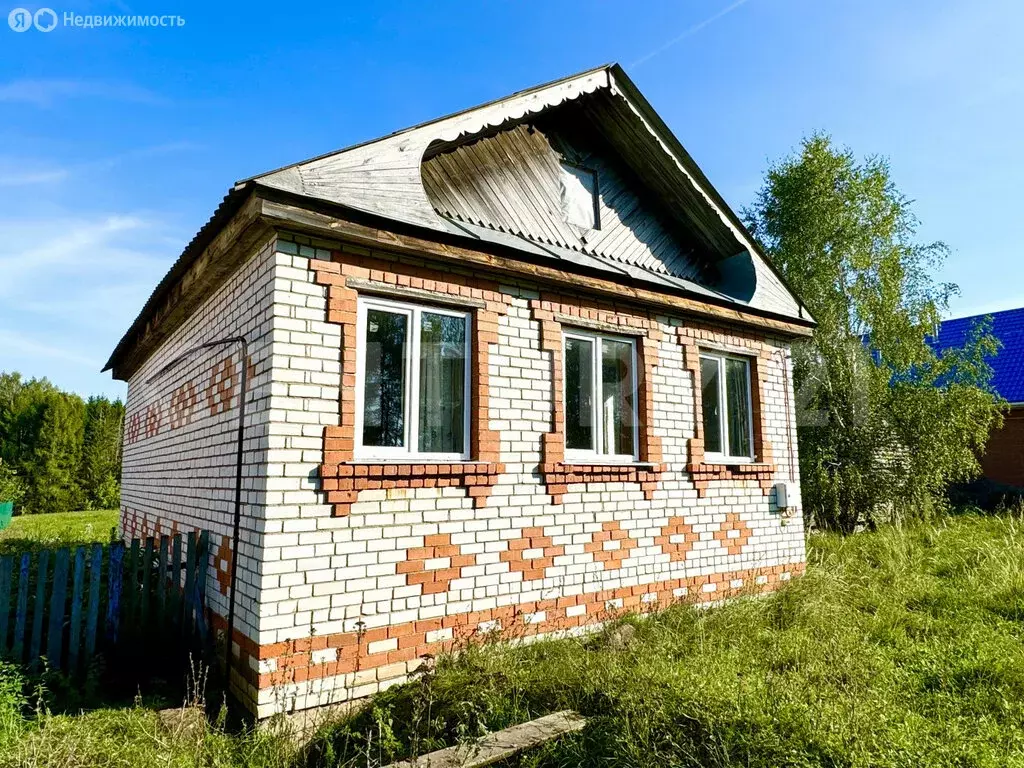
(579, 196)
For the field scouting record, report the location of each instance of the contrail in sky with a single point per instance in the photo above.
(691, 31)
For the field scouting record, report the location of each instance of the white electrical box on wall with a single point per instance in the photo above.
(785, 495)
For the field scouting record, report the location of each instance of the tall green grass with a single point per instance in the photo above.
(898, 648)
(30, 533)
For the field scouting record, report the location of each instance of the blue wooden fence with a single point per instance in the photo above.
(119, 594)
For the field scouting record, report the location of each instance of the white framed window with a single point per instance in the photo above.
(600, 396)
(412, 381)
(728, 408)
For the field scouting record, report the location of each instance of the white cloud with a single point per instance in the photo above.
(44, 254)
(12, 176)
(47, 92)
(26, 344)
(16, 171)
(71, 285)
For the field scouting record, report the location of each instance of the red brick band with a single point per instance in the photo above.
(382, 646)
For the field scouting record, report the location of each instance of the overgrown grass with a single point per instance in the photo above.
(899, 648)
(68, 529)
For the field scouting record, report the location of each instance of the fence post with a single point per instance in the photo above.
(147, 576)
(21, 615)
(190, 580)
(176, 564)
(203, 568)
(130, 587)
(161, 583)
(92, 617)
(39, 608)
(77, 598)
(115, 583)
(58, 605)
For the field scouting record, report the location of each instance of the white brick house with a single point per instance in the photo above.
(515, 369)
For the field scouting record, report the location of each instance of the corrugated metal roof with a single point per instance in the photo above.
(1008, 363)
(589, 261)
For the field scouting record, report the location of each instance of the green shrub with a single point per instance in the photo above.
(12, 705)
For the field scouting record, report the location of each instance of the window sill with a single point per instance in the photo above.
(582, 463)
(407, 461)
(561, 475)
(739, 465)
(343, 481)
(762, 473)
(728, 461)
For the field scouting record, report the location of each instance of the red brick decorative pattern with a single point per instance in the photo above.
(531, 554)
(733, 534)
(222, 387)
(611, 545)
(342, 476)
(154, 418)
(382, 646)
(548, 311)
(223, 556)
(182, 404)
(677, 527)
(435, 564)
(133, 428)
(762, 469)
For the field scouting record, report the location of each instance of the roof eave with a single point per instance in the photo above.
(743, 314)
(222, 232)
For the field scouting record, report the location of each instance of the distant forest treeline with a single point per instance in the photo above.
(58, 452)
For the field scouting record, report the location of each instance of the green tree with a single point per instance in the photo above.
(885, 423)
(21, 408)
(53, 482)
(101, 452)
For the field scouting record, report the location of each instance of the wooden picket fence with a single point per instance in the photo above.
(123, 596)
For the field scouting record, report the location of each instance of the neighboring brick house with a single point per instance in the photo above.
(1003, 460)
(513, 370)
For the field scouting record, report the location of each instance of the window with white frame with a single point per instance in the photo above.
(412, 381)
(728, 422)
(600, 397)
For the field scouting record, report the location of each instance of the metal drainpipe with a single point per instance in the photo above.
(239, 451)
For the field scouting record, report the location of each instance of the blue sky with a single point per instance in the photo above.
(117, 144)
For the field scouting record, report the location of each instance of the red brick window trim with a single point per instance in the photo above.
(696, 339)
(552, 313)
(343, 476)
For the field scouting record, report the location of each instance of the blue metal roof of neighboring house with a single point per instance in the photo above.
(1008, 364)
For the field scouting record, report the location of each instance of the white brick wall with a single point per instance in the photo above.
(183, 476)
(307, 574)
(322, 574)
